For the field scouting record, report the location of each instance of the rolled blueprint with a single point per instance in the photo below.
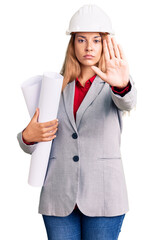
(31, 90)
(43, 92)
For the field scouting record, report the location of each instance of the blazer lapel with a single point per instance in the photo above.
(68, 96)
(92, 93)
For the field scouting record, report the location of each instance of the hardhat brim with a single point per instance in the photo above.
(111, 33)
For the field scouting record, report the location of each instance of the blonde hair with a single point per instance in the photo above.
(71, 67)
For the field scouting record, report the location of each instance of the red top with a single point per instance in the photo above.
(80, 93)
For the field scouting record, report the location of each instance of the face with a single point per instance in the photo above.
(88, 47)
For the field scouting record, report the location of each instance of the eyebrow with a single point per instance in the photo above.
(85, 37)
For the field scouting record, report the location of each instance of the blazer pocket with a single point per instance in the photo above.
(109, 158)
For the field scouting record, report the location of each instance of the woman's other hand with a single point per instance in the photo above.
(117, 70)
(40, 132)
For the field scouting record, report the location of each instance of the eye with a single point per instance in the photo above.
(80, 40)
(96, 41)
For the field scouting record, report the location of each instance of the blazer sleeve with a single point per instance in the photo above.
(128, 101)
(26, 148)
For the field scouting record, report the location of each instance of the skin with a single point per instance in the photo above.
(117, 71)
(117, 74)
(84, 44)
(90, 44)
(40, 132)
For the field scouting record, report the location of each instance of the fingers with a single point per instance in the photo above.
(122, 55)
(101, 74)
(105, 49)
(49, 138)
(115, 47)
(112, 49)
(45, 124)
(50, 134)
(49, 129)
(36, 115)
(50, 123)
(47, 135)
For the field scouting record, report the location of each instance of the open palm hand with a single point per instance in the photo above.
(117, 70)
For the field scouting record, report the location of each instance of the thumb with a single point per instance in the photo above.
(36, 115)
(101, 74)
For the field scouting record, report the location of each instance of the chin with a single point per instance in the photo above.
(90, 64)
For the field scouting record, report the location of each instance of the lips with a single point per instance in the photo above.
(88, 56)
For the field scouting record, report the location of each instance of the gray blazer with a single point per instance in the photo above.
(85, 164)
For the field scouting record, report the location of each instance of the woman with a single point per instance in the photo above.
(84, 194)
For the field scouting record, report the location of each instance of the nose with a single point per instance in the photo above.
(88, 46)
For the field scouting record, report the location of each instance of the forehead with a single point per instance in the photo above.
(87, 34)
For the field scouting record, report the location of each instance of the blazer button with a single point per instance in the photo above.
(74, 135)
(76, 158)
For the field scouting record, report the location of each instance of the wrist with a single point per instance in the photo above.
(121, 87)
(122, 91)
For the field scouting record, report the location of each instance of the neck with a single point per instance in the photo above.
(86, 73)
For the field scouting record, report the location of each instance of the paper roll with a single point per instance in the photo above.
(47, 89)
(31, 90)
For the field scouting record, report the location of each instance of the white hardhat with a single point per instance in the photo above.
(90, 18)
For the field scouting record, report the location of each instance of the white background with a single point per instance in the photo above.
(33, 41)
